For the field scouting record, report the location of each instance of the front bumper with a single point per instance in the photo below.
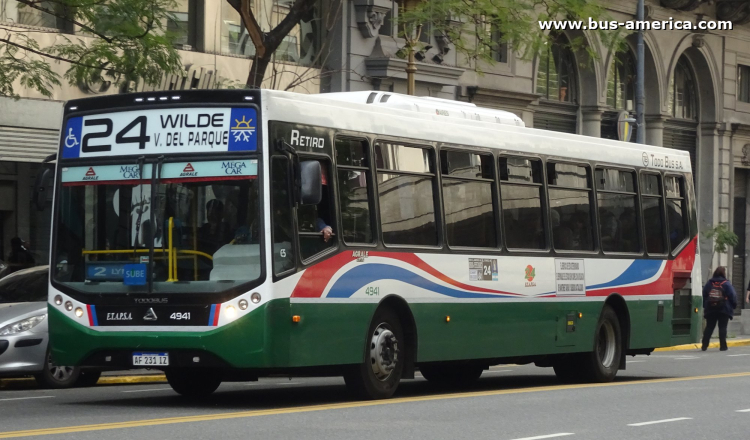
(23, 354)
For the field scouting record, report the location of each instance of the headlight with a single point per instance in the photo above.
(22, 325)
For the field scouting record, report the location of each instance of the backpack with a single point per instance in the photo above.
(716, 298)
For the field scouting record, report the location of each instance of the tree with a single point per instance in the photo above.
(476, 27)
(118, 40)
(723, 237)
(266, 43)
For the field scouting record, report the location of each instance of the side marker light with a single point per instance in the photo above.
(296, 318)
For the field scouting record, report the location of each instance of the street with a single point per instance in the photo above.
(668, 395)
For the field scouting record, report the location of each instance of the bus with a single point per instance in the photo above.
(228, 235)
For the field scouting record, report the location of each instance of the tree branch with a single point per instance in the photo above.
(54, 57)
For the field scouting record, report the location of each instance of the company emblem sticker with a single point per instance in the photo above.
(529, 274)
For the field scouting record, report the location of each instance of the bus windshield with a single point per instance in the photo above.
(193, 227)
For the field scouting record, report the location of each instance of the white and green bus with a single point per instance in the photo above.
(230, 235)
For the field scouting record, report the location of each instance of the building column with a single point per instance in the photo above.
(713, 188)
(591, 121)
(655, 130)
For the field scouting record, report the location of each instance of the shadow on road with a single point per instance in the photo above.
(268, 395)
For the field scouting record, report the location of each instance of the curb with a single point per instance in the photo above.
(30, 382)
(697, 346)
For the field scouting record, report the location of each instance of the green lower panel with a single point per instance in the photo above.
(331, 334)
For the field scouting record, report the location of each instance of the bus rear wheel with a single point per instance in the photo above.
(379, 375)
(601, 364)
(194, 383)
(451, 375)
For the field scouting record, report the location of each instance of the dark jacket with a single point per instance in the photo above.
(729, 294)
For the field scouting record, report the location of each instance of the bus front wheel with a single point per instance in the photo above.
(379, 375)
(194, 383)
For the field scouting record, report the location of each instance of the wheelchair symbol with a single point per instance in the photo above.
(71, 140)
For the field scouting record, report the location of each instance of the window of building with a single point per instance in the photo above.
(467, 199)
(570, 206)
(405, 191)
(521, 192)
(676, 214)
(499, 47)
(354, 195)
(556, 75)
(234, 37)
(653, 213)
(312, 219)
(616, 197)
(621, 82)
(743, 80)
(682, 91)
(182, 24)
(282, 219)
(15, 12)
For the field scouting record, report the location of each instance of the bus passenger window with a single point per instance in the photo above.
(354, 196)
(675, 210)
(281, 218)
(521, 194)
(653, 217)
(570, 205)
(467, 197)
(405, 192)
(618, 228)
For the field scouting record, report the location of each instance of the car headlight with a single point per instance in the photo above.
(22, 325)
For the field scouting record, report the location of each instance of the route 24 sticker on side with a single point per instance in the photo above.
(161, 131)
(482, 269)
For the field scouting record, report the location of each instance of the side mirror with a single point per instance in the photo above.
(311, 187)
(43, 180)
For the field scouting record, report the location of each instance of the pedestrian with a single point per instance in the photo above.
(719, 301)
(19, 257)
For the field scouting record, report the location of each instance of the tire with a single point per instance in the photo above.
(88, 378)
(57, 377)
(194, 383)
(601, 364)
(451, 375)
(378, 376)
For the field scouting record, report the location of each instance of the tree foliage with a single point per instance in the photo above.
(475, 27)
(116, 40)
(722, 236)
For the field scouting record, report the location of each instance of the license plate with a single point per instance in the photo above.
(150, 359)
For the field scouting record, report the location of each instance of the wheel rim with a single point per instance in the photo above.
(60, 374)
(383, 352)
(606, 344)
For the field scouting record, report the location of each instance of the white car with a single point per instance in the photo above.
(24, 338)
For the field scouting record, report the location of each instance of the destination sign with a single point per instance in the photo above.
(161, 131)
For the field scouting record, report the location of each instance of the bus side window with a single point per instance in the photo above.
(468, 179)
(313, 219)
(521, 189)
(676, 219)
(354, 190)
(406, 179)
(570, 205)
(653, 213)
(616, 201)
(281, 216)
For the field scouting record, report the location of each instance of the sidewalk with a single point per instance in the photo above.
(738, 342)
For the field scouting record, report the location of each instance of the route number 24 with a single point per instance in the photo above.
(121, 138)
